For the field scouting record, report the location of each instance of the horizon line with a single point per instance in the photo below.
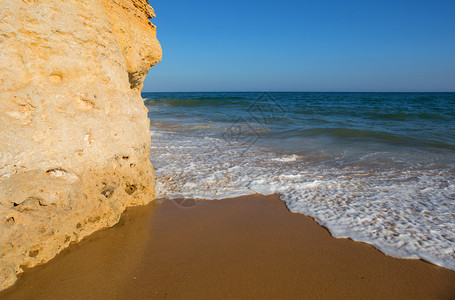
(265, 91)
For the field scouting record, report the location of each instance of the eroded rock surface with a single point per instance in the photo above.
(74, 139)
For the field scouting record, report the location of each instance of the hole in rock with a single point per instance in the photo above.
(130, 188)
(107, 192)
(33, 253)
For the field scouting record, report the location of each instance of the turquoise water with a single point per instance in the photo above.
(375, 167)
(414, 120)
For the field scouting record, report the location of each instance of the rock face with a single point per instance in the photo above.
(74, 139)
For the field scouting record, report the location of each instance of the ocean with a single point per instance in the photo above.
(374, 167)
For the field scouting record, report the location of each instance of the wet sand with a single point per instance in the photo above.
(244, 248)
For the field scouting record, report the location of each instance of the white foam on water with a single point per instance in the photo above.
(286, 158)
(403, 213)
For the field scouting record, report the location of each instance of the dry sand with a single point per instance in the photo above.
(244, 248)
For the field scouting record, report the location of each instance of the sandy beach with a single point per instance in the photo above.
(248, 247)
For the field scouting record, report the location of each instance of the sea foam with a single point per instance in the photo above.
(407, 213)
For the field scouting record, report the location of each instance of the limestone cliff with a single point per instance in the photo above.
(74, 139)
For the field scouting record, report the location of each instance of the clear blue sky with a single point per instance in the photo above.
(285, 45)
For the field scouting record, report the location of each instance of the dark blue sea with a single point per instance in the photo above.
(375, 167)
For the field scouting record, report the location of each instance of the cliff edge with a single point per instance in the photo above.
(74, 139)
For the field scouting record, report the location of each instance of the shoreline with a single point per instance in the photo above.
(324, 156)
(249, 246)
